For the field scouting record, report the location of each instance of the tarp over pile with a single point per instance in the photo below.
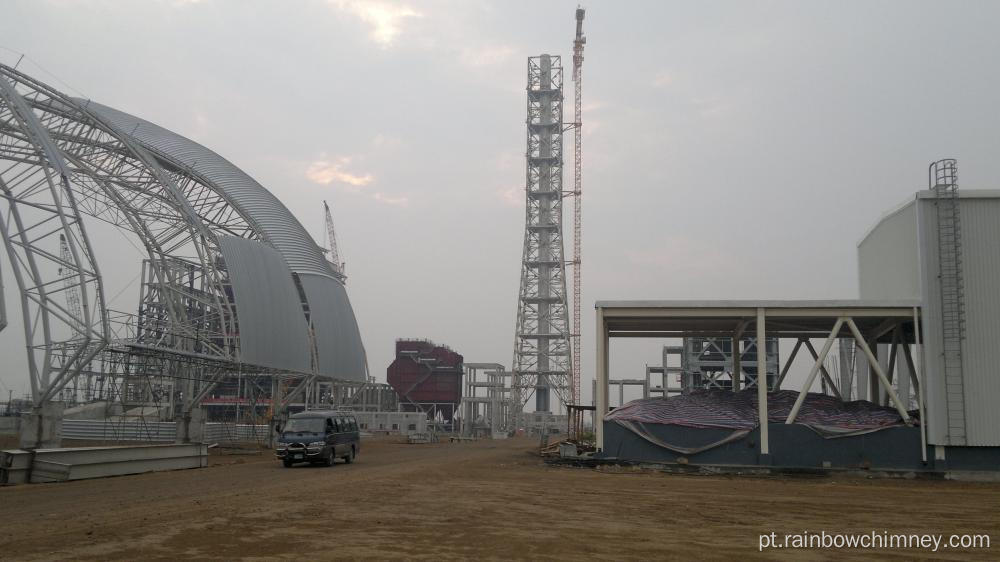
(722, 409)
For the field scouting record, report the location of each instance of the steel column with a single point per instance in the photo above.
(762, 380)
(601, 382)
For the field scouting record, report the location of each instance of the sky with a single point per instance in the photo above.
(731, 149)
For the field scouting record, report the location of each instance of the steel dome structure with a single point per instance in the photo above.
(231, 280)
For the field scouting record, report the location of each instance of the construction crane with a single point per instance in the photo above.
(578, 44)
(67, 275)
(73, 306)
(333, 255)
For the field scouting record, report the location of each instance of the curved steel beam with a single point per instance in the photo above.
(25, 248)
(52, 145)
(147, 193)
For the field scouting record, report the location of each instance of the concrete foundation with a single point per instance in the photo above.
(191, 427)
(10, 425)
(155, 413)
(797, 446)
(92, 411)
(42, 428)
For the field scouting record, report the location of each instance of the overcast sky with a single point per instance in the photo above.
(732, 149)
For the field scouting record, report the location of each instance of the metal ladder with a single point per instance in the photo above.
(943, 179)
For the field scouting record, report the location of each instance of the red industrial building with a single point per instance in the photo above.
(428, 378)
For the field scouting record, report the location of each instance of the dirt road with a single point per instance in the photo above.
(488, 499)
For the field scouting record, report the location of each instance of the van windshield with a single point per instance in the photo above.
(304, 425)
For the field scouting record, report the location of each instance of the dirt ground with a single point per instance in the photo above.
(487, 499)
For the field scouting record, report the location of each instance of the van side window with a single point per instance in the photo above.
(329, 425)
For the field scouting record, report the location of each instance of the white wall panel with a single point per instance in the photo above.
(272, 324)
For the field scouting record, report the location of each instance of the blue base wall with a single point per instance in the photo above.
(797, 446)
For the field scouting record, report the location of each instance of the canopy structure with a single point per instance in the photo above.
(866, 322)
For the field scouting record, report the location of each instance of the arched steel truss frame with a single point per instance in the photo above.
(60, 162)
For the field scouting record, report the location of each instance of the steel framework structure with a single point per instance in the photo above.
(484, 412)
(63, 163)
(708, 363)
(63, 159)
(542, 353)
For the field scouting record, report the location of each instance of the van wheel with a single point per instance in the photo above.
(287, 463)
(329, 460)
(350, 457)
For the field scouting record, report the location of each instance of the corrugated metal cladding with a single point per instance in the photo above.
(260, 207)
(273, 330)
(271, 335)
(338, 341)
(888, 258)
(930, 324)
(980, 220)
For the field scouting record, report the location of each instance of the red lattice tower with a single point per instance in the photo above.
(578, 44)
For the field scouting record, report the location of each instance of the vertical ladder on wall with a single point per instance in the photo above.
(943, 178)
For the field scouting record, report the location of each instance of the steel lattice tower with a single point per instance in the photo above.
(542, 355)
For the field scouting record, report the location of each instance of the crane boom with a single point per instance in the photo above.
(578, 44)
(333, 254)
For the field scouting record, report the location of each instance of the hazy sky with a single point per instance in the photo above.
(732, 149)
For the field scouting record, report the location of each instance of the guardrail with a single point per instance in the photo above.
(124, 430)
(158, 432)
(224, 432)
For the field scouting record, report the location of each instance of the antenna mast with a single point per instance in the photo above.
(333, 255)
(578, 44)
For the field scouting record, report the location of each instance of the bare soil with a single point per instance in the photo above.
(486, 499)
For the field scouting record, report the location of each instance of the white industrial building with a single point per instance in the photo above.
(927, 321)
(898, 259)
